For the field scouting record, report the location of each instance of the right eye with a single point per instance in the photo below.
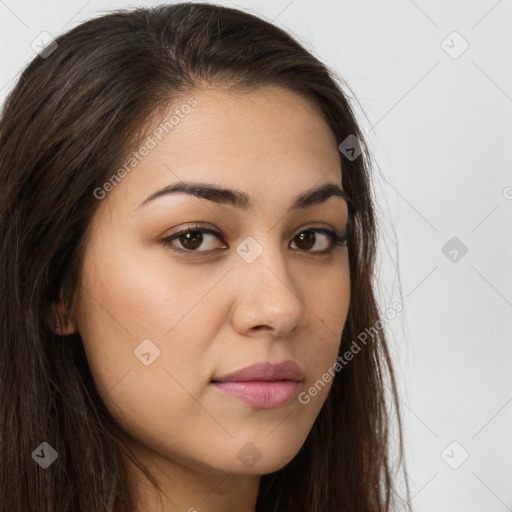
(191, 238)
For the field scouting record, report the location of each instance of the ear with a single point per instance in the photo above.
(61, 321)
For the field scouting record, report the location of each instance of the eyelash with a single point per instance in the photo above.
(336, 239)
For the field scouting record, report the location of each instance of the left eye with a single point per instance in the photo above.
(311, 241)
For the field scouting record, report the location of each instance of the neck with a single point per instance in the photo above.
(190, 489)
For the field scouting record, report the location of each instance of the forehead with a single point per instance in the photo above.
(270, 140)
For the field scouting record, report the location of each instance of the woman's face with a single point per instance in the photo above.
(162, 320)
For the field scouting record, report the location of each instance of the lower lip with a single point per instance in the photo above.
(261, 394)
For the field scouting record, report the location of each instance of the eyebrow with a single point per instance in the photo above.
(242, 200)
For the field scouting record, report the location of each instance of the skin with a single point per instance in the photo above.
(214, 313)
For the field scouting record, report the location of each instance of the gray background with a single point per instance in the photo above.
(438, 123)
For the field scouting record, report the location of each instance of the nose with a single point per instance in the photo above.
(268, 299)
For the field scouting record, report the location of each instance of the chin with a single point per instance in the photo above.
(263, 456)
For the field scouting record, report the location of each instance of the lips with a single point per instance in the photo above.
(287, 370)
(262, 385)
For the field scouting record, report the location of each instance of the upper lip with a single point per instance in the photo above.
(286, 370)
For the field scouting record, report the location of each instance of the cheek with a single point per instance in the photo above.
(132, 312)
(147, 332)
(327, 295)
(328, 306)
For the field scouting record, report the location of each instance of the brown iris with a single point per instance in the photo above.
(191, 240)
(307, 238)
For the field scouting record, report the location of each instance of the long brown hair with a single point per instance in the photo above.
(73, 116)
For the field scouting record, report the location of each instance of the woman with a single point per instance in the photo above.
(188, 242)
